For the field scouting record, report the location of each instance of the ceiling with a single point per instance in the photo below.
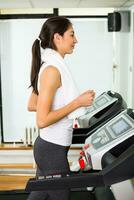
(21, 4)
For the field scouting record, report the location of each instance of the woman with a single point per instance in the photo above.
(56, 101)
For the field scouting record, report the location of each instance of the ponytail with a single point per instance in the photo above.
(35, 66)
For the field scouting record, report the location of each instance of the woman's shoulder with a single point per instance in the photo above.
(49, 68)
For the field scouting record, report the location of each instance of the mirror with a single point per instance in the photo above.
(91, 66)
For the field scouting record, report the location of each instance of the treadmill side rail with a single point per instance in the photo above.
(113, 173)
(72, 181)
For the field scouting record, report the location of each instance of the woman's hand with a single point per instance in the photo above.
(86, 98)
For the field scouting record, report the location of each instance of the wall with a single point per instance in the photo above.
(124, 48)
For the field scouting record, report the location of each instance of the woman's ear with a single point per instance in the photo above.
(57, 38)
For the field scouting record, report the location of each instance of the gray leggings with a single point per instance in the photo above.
(50, 159)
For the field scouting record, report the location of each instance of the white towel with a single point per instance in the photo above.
(70, 91)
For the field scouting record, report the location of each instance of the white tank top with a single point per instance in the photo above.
(61, 131)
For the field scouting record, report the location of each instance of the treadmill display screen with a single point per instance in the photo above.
(101, 101)
(121, 126)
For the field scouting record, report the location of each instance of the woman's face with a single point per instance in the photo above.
(67, 42)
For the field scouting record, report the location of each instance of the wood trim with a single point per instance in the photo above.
(15, 147)
(17, 165)
(23, 147)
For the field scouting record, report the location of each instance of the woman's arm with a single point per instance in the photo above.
(50, 81)
(32, 102)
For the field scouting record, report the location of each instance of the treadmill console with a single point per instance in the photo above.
(115, 129)
(99, 103)
(105, 107)
(109, 135)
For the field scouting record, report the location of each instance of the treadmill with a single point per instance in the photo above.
(110, 155)
(104, 108)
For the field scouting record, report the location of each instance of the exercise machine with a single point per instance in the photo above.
(108, 157)
(104, 108)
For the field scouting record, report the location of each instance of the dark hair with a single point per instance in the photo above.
(50, 27)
